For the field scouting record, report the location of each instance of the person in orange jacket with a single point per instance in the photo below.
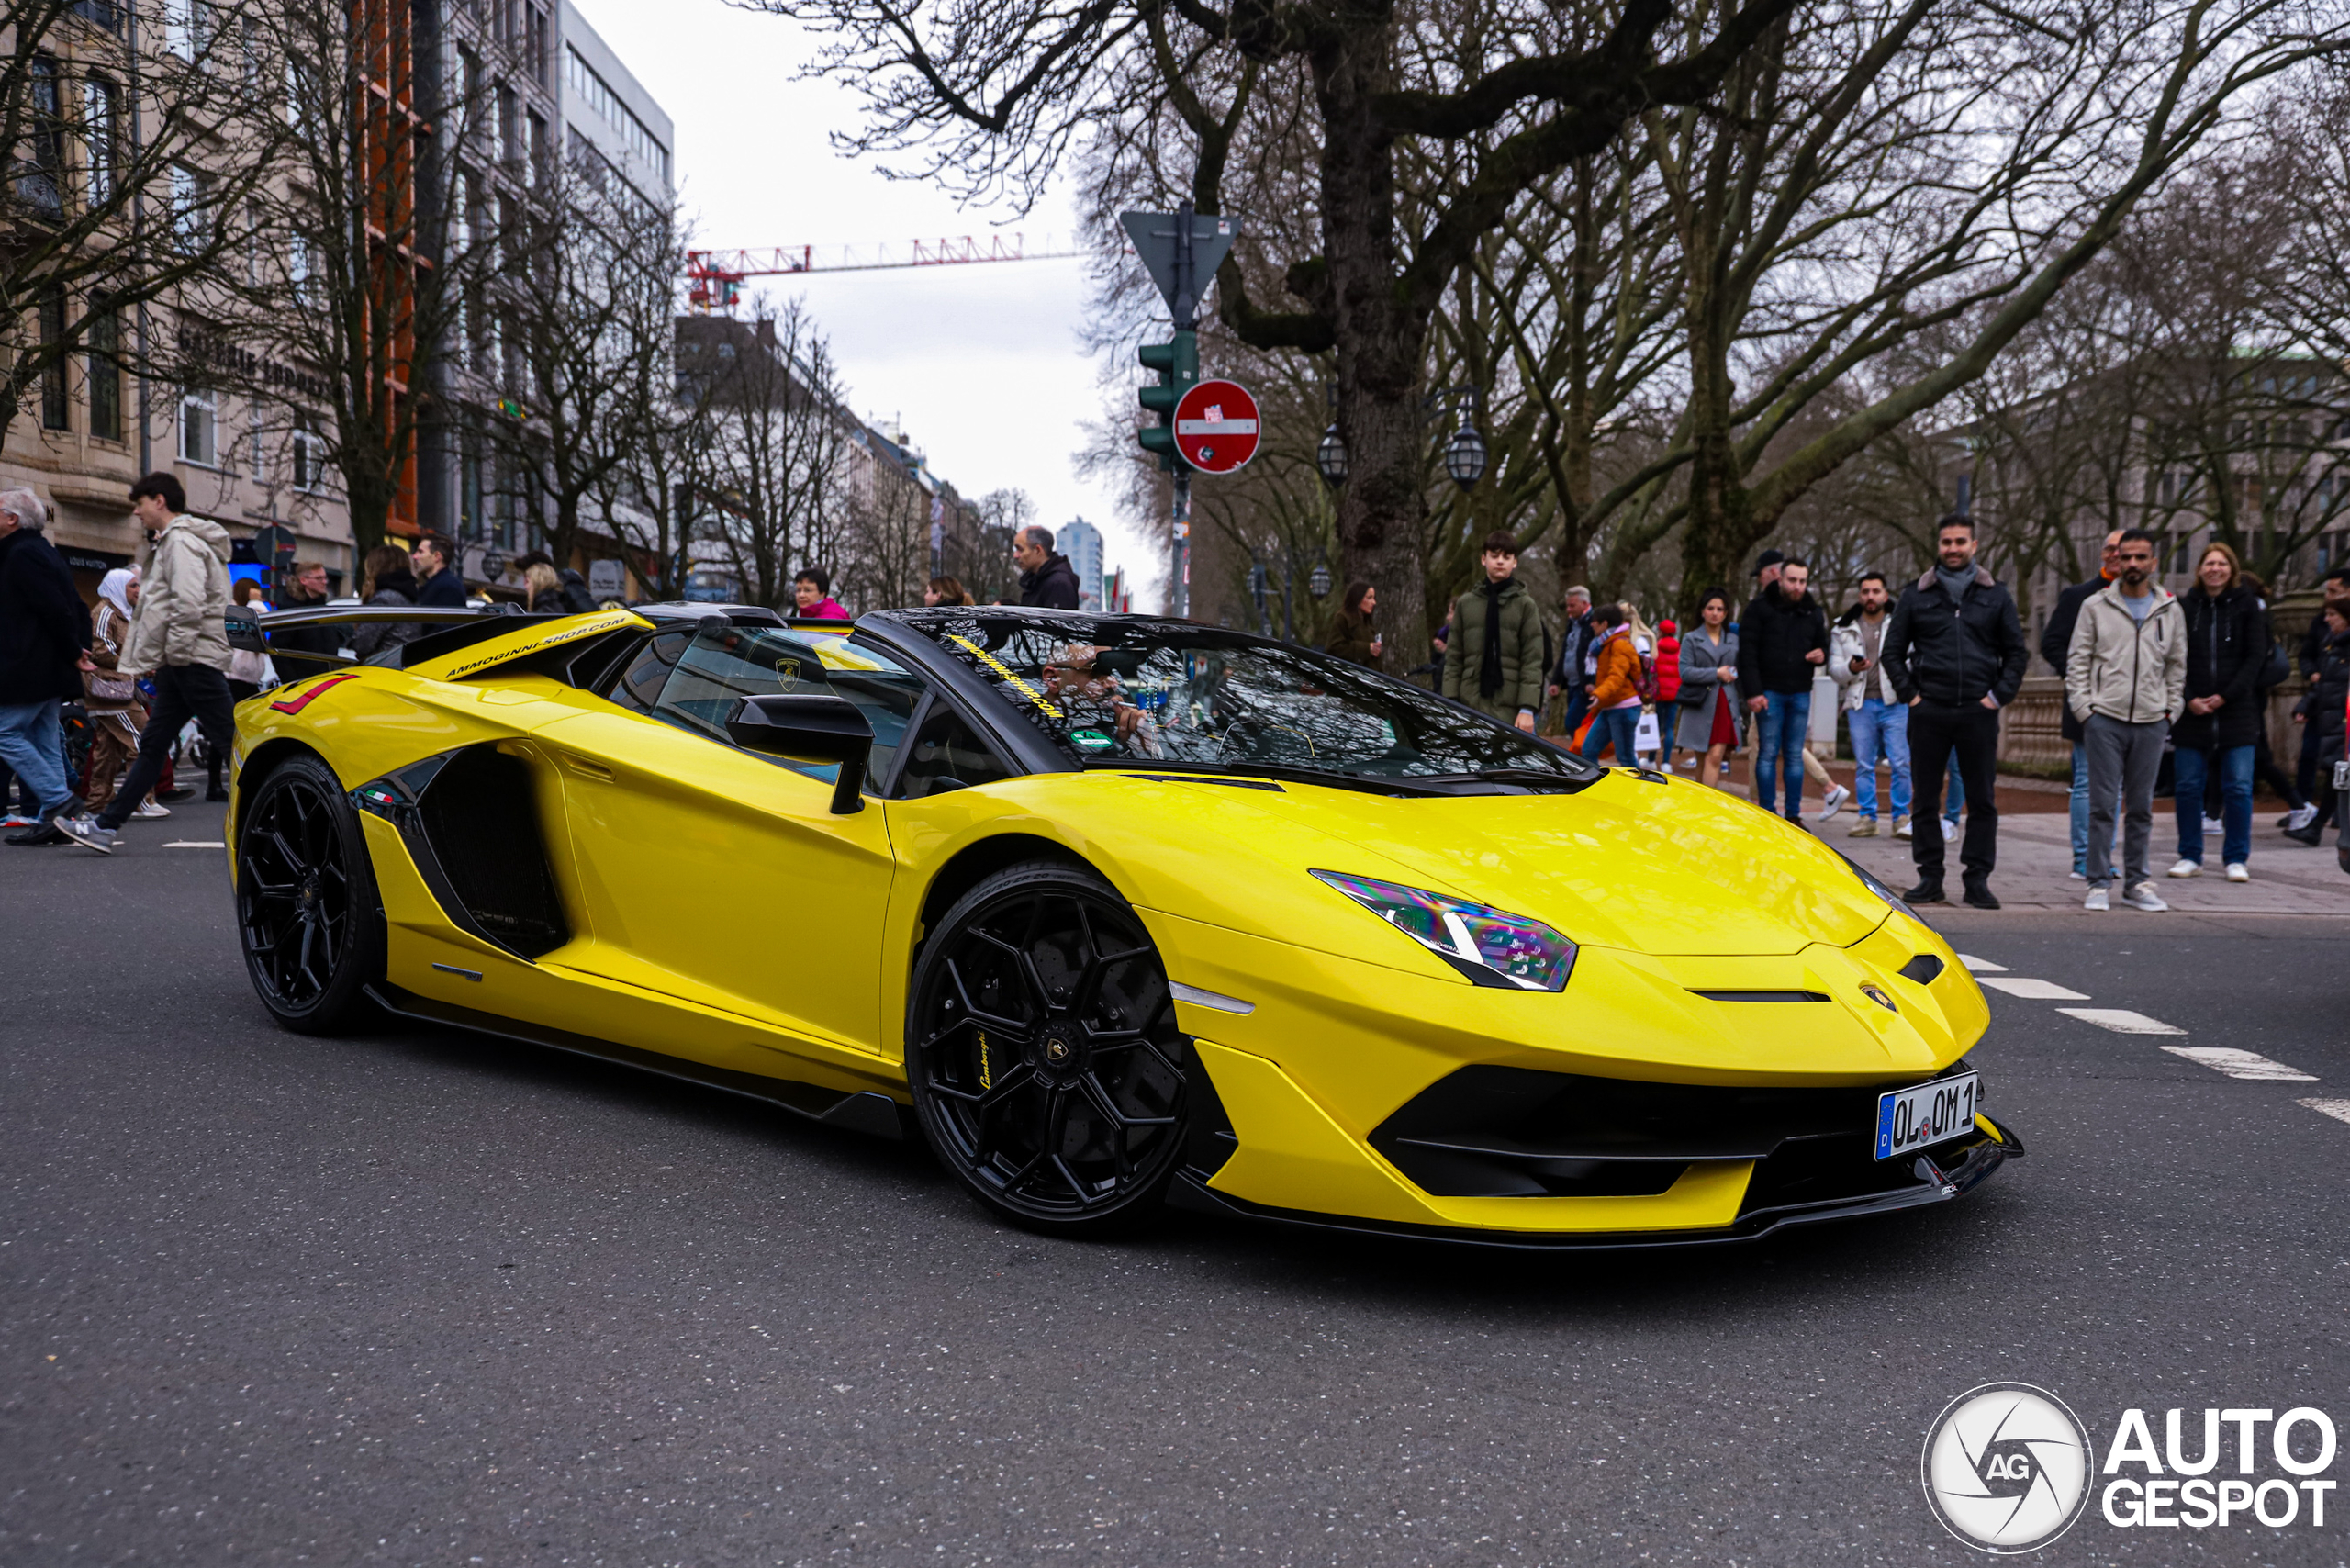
(1614, 689)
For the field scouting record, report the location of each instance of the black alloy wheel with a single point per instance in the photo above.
(1043, 1053)
(306, 911)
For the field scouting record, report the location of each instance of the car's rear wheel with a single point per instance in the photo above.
(1043, 1053)
(307, 911)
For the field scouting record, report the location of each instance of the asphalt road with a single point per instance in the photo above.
(426, 1298)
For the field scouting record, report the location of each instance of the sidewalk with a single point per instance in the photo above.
(2036, 856)
(2036, 861)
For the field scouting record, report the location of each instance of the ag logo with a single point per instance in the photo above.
(2006, 1468)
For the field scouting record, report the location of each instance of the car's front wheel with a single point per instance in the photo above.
(307, 913)
(1043, 1053)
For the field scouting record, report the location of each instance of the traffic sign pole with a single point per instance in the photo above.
(1178, 250)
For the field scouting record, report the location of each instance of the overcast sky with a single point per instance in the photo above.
(981, 363)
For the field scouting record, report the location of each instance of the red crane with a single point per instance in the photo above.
(714, 278)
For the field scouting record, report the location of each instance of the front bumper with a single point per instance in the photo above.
(1944, 1175)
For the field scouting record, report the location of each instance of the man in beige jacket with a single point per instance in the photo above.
(181, 638)
(2125, 680)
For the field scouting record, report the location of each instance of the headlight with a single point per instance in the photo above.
(1876, 885)
(1488, 946)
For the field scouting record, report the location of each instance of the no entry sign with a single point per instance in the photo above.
(1216, 426)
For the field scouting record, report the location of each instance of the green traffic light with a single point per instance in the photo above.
(1177, 365)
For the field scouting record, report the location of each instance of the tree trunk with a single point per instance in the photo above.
(1381, 343)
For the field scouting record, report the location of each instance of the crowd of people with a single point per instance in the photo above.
(2155, 684)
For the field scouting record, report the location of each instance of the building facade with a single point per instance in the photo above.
(1082, 543)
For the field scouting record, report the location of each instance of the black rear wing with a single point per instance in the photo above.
(249, 632)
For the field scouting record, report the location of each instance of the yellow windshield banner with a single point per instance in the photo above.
(1004, 670)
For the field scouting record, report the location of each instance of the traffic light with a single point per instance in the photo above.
(1177, 363)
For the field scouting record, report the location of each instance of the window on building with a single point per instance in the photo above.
(187, 27)
(199, 434)
(307, 450)
(192, 215)
(542, 163)
(507, 144)
(102, 340)
(56, 414)
(38, 177)
(101, 105)
(540, 63)
(256, 453)
(298, 269)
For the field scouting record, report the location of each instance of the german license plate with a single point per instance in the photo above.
(1909, 1119)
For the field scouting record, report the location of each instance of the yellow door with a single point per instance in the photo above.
(721, 876)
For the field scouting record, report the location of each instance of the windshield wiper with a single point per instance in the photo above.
(1368, 783)
(1532, 778)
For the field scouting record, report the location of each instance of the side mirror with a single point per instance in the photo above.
(808, 727)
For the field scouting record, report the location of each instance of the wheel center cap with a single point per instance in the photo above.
(1060, 1051)
(309, 893)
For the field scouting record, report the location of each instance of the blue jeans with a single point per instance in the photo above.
(1785, 719)
(2079, 806)
(1880, 728)
(2187, 769)
(1618, 725)
(34, 746)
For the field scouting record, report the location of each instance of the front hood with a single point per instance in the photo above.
(1668, 868)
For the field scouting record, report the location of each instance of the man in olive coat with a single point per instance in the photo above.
(1494, 662)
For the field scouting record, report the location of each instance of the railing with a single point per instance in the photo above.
(2031, 739)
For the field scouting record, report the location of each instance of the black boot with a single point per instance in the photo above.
(1928, 890)
(1979, 895)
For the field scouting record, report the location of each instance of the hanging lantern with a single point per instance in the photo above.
(1331, 456)
(1464, 458)
(1317, 582)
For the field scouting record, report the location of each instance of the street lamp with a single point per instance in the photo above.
(1464, 459)
(1317, 582)
(1330, 457)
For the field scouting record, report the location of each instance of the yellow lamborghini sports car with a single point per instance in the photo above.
(1113, 911)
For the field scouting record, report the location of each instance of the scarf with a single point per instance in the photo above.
(1489, 668)
(114, 588)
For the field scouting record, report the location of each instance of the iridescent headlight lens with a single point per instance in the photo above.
(1489, 946)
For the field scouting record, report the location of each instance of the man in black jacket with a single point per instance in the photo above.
(1955, 652)
(44, 644)
(306, 591)
(2055, 644)
(438, 584)
(2310, 655)
(1781, 641)
(1047, 581)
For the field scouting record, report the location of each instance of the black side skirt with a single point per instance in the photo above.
(863, 1111)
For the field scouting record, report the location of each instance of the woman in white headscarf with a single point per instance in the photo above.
(111, 695)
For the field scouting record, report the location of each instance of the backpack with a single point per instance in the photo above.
(1645, 682)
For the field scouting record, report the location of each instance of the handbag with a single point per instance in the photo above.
(109, 686)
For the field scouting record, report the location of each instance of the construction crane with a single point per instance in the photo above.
(714, 278)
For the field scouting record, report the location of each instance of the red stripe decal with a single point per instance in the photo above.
(298, 703)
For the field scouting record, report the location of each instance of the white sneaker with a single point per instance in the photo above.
(2097, 899)
(1833, 801)
(2237, 872)
(1950, 830)
(2143, 897)
(2076, 875)
(1901, 829)
(2187, 868)
(2214, 827)
(2299, 818)
(152, 810)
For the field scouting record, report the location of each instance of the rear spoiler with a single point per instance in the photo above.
(450, 631)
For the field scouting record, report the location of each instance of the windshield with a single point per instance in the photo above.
(1120, 690)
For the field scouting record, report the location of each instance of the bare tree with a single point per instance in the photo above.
(994, 93)
(396, 199)
(591, 337)
(779, 435)
(885, 539)
(102, 217)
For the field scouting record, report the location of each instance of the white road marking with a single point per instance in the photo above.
(196, 844)
(2338, 1109)
(2242, 1064)
(1981, 966)
(2036, 989)
(2121, 1021)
